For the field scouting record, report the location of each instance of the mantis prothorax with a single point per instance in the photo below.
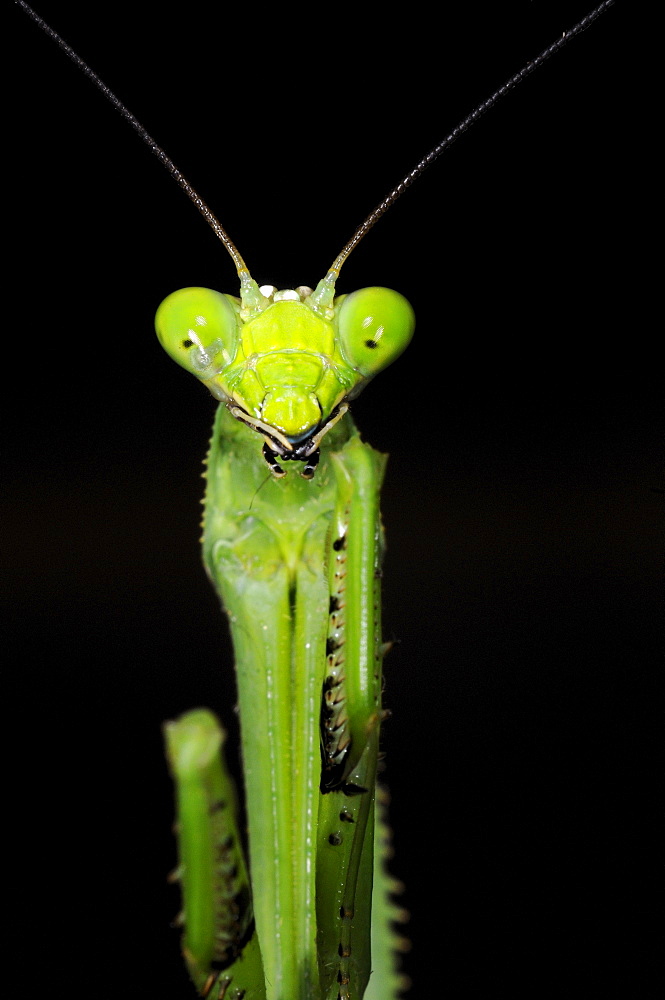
(262, 492)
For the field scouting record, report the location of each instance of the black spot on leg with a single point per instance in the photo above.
(335, 839)
(188, 343)
(346, 816)
(332, 646)
(334, 604)
(339, 543)
(348, 788)
(329, 683)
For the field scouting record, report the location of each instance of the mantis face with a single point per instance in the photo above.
(286, 366)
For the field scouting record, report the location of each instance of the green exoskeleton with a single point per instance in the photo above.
(293, 543)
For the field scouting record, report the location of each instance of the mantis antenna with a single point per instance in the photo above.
(323, 296)
(459, 129)
(251, 295)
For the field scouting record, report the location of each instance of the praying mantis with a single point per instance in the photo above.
(417, 470)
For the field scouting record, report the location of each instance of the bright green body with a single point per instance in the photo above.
(296, 561)
(268, 547)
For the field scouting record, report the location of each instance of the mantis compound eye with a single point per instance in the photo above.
(375, 325)
(198, 328)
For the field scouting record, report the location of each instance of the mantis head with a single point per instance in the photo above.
(285, 362)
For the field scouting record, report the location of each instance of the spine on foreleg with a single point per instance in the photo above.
(219, 943)
(350, 717)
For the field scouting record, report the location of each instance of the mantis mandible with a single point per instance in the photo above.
(432, 449)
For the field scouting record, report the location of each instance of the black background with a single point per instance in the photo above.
(521, 504)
